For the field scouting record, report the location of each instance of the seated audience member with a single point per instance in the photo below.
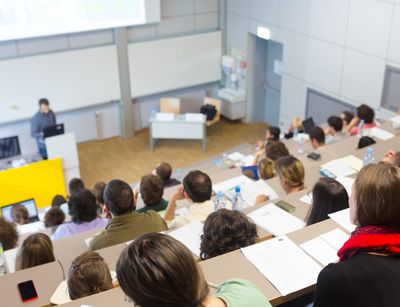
(8, 234)
(157, 270)
(84, 215)
(365, 141)
(20, 215)
(291, 173)
(317, 137)
(151, 191)
(225, 231)
(164, 171)
(328, 196)
(273, 151)
(392, 157)
(346, 117)
(54, 217)
(365, 113)
(75, 184)
(36, 249)
(297, 124)
(58, 201)
(335, 131)
(264, 170)
(88, 275)
(271, 134)
(368, 271)
(197, 188)
(126, 224)
(98, 191)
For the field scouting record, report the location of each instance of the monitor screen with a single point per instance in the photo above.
(28, 204)
(9, 147)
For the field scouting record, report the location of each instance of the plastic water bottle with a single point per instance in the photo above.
(219, 201)
(361, 128)
(238, 203)
(2, 263)
(295, 134)
(301, 145)
(369, 156)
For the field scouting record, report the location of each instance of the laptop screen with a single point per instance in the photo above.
(28, 204)
(308, 124)
(9, 147)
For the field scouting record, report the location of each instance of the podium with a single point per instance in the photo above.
(64, 146)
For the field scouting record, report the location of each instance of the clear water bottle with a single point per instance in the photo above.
(369, 156)
(238, 202)
(2, 263)
(301, 145)
(295, 134)
(361, 128)
(219, 202)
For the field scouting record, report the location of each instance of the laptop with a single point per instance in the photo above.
(9, 147)
(28, 204)
(308, 124)
(53, 130)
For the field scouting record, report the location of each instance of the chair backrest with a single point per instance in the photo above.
(214, 102)
(170, 105)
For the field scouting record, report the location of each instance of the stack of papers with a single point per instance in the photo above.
(248, 160)
(236, 156)
(165, 116)
(189, 235)
(380, 134)
(9, 258)
(343, 219)
(194, 117)
(275, 220)
(343, 167)
(324, 248)
(307, 199)
(284, 264)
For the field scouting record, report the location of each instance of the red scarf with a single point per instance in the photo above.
(376, 239)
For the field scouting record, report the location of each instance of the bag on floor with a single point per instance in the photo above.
(209, 111)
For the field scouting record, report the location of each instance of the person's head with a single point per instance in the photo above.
(366, 113)
(328, 196)
(275, 150)
(346, 117)
(291, 173)
(151, 190)
(54, 217)
(58, 200)
(44, 105)
(88, 275)
(36, 249)
(225, 231)
(297, 123)
(197, 186)
(164, 171)
(335, 124)
(266, 168)
(20, 215)
(82, 206)
(75, 184)
(98, 191)
(317, 137)
(392, 157)
(365, 141)
(157, 270)
(272, 134)
(375, 196)
(8, 234)
(118, 198)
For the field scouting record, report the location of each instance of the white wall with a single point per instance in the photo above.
(338, 47)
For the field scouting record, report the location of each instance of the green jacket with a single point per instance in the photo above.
(159, 207)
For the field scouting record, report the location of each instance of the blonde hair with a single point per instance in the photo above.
(297, 123)
(292, 170)
(266, 169)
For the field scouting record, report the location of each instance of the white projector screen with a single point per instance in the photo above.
(33, 18)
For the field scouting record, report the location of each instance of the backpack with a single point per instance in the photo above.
(209, 111)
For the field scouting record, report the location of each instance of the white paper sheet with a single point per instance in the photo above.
(194, 117)
(88, 241)
(248, 160)
(236, 156)
(9, 257)
(189, 235)
(307, 199)
(320, 251)
(343, 219)
(275, 220)
(381, 134)
(335, 238)
(344, 167)
(284, 264)
(347, 183)
(31, 228)
(165, 116)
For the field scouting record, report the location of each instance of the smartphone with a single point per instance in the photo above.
(27, 291)
(285, 206)
(314, 156)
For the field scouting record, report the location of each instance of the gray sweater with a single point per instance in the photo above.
(40, 121)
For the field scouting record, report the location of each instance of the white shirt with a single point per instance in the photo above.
(197, 212)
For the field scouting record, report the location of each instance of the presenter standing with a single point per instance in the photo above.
(43, 119)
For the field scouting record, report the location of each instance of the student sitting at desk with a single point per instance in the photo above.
(197, 188)
(75, 184)
(125, 224)
(8, 234)
(151, 191)
(164, 171)
(291, 173)
(346, 117)
(271, 134)
(20, 215)
(317, 137)
(225, 231)
(392, 157)
(157, 270)
(36, 249)
(328, 196)
(368, 272)
(54, 217)
(98, 191)
(273, 151)
(334, 132)
(84, 215)
(365, 113)
(58, 201)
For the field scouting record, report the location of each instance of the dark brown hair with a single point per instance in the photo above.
(88, 275)
(164, 170)
(58, 200)
(275, 150)
(36, 249)
(377, 189)
(225, 231)
(292, 170)
(198, 186)
(151, 190)
(366, 113)
(316, 133)
(82, 206)
(8, 234)
(98, 190)
(20, 215)
(44, 101)
(54, 217)
(158, 271)
(75, 184)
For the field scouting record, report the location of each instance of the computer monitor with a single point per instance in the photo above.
(308, 124)
(9, 147)
(29, 204)
(53, 130)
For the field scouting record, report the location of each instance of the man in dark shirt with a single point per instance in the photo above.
(164, 171)
(43, 119)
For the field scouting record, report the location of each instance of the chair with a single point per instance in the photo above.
(170, 105)
(217, 104)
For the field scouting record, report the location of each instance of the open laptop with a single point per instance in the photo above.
(28, 204)
(308, 124)
(9, 147)
(53, 130)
